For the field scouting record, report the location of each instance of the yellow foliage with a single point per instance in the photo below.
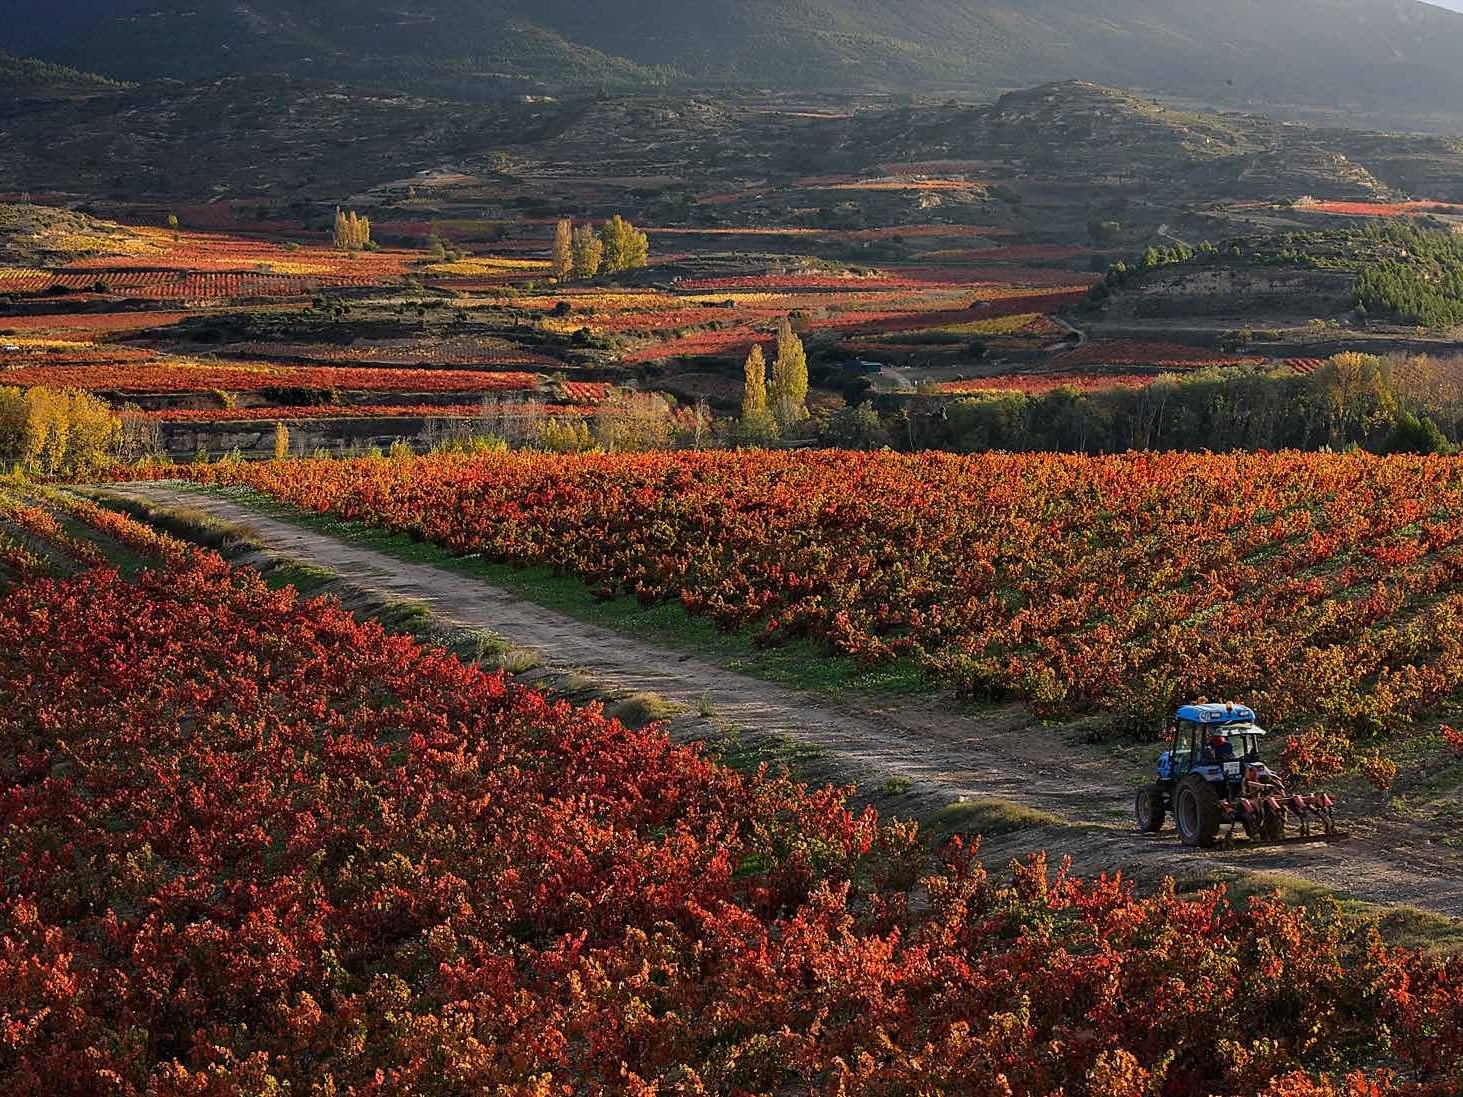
(634, 422)
(352, 231)
(297, 267)
(53, 432)
(565, 436)
(487, 265)
(755, 297)
(608, 302)
(32, 342)
(1001, 325)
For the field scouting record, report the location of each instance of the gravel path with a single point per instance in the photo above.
(945, 755)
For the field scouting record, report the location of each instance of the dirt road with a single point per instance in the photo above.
(944, 755)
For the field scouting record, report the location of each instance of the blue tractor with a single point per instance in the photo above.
(1211, 777)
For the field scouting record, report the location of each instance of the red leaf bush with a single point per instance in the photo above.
(1453, 738)
(1313, 585)
(253, 846)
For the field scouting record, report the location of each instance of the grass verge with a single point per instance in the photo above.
(992, 816)
(798, 664)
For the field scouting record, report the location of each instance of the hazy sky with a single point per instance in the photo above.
(1451, 5)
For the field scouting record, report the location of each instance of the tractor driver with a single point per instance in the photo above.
(1221, 748)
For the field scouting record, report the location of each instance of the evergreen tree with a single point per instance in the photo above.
(563, 260)
(588, 252)
(789, 377)
(757, 425)
(625, 246)
(1411, 434)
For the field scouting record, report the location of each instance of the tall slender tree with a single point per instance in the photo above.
(789, 377)
(352, 231)
(588, 252)
(758, 424)
(563, 261)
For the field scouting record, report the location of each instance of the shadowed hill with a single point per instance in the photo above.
(1385, 54)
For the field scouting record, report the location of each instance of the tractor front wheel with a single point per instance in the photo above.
(1149, 809)
(1196, 811)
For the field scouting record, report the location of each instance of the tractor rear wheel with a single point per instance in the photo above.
(1149, 809)
(1196, 811)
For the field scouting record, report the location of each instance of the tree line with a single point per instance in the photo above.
(1416, 276)
(50, 432)
(770, 410)
(352, 232)
(582, 252)
(1385, 406)
(1407, 271)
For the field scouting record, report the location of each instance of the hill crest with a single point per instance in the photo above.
(1397, 55)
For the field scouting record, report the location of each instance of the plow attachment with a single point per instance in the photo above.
(1271, 818)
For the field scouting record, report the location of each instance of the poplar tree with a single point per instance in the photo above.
(625, 246)
(789, 377)
(563, 261)
(757, 425)
(352, 231)
(588, 252)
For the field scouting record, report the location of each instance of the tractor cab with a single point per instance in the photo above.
(1212, 776)
(1210, 738)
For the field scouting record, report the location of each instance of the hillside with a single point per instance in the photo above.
(1089, 149)
(1383, 55)
(26, 75)
(41, 234)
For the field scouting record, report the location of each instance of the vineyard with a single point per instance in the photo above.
(90, 324)
(1379, 209)
(255, 845)
(525, 408)
(1323, 588)
(169, 285)
(463, 352)
(1036, 384)
(142, 372)
(684, 721)
(1158, 356)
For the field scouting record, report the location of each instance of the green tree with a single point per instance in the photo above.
(625, 246)
(757, 426)
(588, 252)
(563, 258)
(789, 377)
(855, 428)
(1411, 434)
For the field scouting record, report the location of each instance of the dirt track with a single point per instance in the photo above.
(945, 755)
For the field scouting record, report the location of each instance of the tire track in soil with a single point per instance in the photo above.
(946, 755)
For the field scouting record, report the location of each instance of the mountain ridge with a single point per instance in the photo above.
(1334, 54)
